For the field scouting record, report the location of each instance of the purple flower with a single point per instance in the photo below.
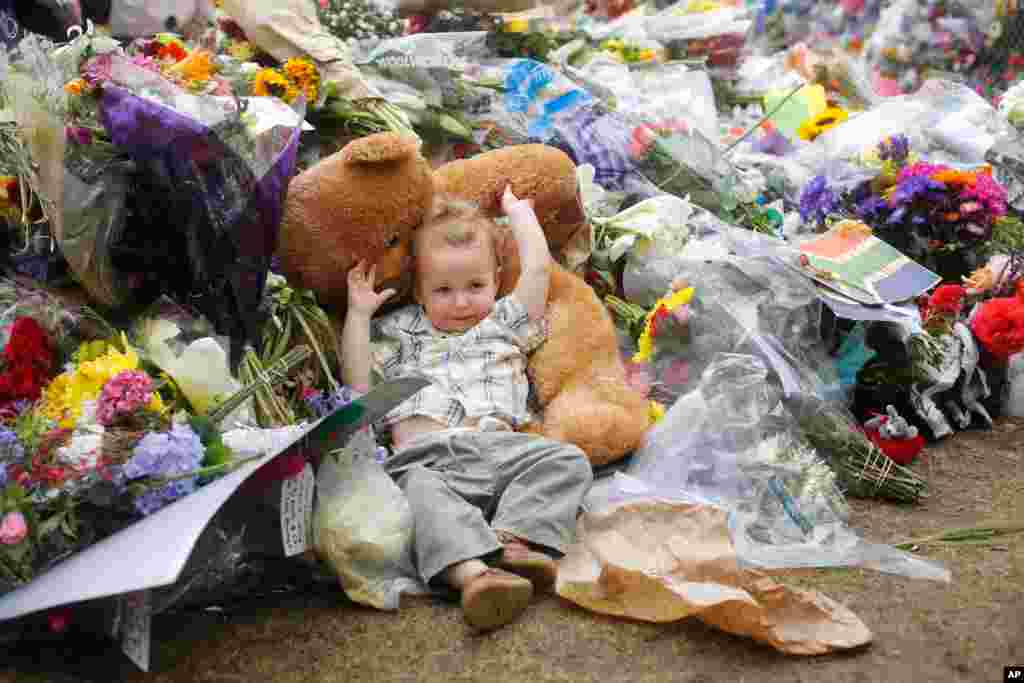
(323, 404)
(773, 142)
(817, 201)
(895, 148)
(78, 134)
(165, 454)
(910, 188)
(871, 208)
(98, 69)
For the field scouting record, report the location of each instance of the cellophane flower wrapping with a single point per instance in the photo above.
(212, 170)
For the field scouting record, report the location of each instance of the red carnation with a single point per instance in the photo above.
(947, 299)
(999, 327)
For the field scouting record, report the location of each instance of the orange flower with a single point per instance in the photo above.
(951, 176)
(75, 87)
(197, 66)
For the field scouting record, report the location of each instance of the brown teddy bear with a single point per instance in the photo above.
(365, 202)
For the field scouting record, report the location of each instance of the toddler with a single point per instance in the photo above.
(491, 505)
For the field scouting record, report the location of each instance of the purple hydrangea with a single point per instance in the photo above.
(165, 454)
(323, 404)
(817, 201)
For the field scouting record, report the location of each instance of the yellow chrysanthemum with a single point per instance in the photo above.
(813, 127)
(655, 411)
(63, 397)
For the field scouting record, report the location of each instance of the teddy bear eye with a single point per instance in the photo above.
(391, 242)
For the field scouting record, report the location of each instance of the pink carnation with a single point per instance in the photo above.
(988, 192)
(123, 393)
(13, 528)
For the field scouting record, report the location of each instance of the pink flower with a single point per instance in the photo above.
(13, 528)
(123, 393)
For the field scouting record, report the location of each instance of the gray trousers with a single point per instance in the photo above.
(463, 485)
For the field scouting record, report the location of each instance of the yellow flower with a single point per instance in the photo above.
(645, 345)
(304, 75)
(655, 411)
(272, 83)
(197, 67)
(516, 26)
(63, 397)
(75, 87)
(646, 55)
(813, 127)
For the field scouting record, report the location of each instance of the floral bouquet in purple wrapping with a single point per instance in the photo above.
(129, 142)
(940, 216)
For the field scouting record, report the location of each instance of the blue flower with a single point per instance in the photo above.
(165, 454)
(912, 187)
(817, 201)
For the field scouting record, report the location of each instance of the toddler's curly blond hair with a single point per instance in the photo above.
(459, 224)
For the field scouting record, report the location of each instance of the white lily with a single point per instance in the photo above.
(661, 219)
(200, 370)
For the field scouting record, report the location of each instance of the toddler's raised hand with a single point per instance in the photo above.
(361, 296)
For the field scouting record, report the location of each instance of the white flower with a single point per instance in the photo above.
(661, 220)
(82, 452)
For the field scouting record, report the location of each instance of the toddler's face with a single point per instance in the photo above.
(457, 285)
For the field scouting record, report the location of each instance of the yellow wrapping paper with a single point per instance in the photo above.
(663, 561)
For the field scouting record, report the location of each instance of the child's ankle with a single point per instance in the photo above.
(459, 575)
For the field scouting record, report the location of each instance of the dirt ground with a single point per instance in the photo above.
(923, 631)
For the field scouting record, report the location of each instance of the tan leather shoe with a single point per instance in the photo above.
(494, 599)
(517, 557)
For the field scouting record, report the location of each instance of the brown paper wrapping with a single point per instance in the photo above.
(663, 561)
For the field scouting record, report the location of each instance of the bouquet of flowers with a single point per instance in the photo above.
(938, 215)
(660, 364)
(354, 20)
(915, 37)
(998, 325)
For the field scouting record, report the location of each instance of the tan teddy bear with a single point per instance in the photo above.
(365, 202)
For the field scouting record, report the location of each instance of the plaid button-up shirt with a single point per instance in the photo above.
(478, 373)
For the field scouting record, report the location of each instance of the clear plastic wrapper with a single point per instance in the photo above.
(198, 159)
(732, 443)
(752, 303)
(945, 121)
(915, 39)
(363, 526)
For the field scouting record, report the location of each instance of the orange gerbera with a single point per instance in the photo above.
(951, 176)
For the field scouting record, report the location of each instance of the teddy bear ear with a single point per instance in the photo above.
(381, 147)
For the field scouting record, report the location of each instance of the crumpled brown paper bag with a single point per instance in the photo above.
(663, 561)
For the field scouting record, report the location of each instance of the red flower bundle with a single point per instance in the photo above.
(28, 361)
(999, 326)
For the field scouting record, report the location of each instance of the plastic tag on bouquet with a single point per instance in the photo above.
(133, 627)
(297, 512)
